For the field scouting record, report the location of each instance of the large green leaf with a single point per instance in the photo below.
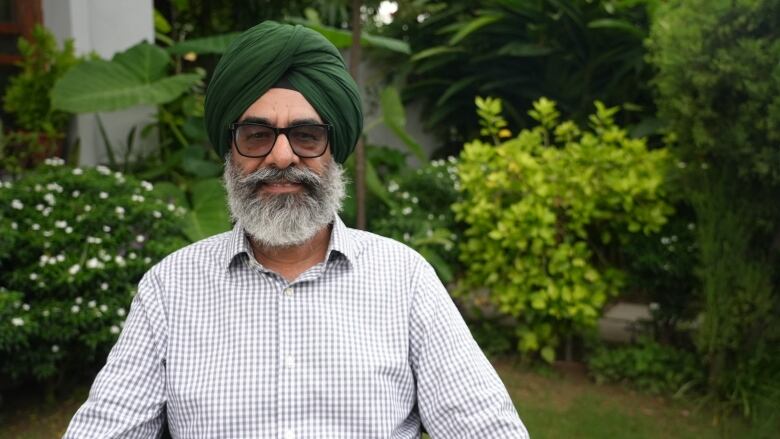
(618, 25)
(216, 44)
(474, 25)
(342, 39)
(394, 116)
(208, 214)
(134, 77)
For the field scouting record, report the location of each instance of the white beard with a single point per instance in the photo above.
(284, 220)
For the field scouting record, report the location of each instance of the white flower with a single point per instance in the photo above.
(77, 171)
(104, 286)
(691, 226)
(119, 260)
(156, 214)
(16, 204)
(102, 169)
(38, 188)
(406, 210)
(87, 208)
(48, 233)
(392, 186)
(103, 195)
(91, 303)
(406, 236)
(69, 230)
(17, 321)
(45, 313)
(415, 200)
(114, 329)
(55, 348)
(60, 257)
(14, 225)
(79, 300)
(74, 309)
(171, 207)
(54, 161)
(49, 198)
(681, 165)
(25, 306)
(120, 211)
(664, 240)
(94, 263)
(147, 260)
(137, 198)
(60, 224)
(654, 306)
(132, 255)
(54, 187)
(146, 185)
(140, 238)
(34, 276)
(74, 269)
(93, 240)
(120, 312)
(46, 211)
(405, 195)
(75, 194)
(103, 307)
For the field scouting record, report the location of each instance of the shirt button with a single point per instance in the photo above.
(289, 362)
(288, 291)
(289, 434)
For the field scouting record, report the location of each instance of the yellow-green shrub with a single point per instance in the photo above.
(539, 209)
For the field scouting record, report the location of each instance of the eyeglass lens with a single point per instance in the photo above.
(259, 140)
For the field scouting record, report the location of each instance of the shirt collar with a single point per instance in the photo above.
(341, 243)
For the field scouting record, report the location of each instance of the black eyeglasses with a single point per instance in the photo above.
(257, 140)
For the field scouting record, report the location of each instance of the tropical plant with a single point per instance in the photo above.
(574, 52)
(719, 87)
(75, 243)
(538, 210)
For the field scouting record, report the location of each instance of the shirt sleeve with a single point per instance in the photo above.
(127, 399)
(459, 393)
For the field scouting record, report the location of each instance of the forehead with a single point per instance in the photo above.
(279, 105)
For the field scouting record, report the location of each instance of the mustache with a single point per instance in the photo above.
(306, 177)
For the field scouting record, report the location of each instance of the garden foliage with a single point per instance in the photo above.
(573, 52)
(650, 366)
(719, 87)
(539, 207)
(420, 216)
(75, 243)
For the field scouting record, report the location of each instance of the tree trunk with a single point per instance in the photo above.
(360, 152)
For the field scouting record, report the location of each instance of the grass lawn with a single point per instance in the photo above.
(560, 404)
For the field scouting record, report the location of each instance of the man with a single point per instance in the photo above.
(292, 325)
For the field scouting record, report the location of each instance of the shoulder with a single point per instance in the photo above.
(206, 253)
(370, 245)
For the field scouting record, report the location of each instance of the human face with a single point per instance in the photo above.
(281, 107)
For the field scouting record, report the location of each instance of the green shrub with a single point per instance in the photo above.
(718, 87)
(649, 366)
(75, 243)
(538, 208)
(421, 214)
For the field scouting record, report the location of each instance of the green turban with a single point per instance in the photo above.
(268, 52)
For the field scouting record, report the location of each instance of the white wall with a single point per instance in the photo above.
(104, 27)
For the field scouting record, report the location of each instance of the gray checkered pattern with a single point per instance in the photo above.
(364, 345)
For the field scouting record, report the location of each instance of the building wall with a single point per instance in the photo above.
(104, 27)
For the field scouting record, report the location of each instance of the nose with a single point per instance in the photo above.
(282, 155)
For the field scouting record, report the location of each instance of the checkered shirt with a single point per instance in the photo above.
(366, 344)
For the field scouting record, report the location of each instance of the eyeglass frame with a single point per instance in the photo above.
(233, 130)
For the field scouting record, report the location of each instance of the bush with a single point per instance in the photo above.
(719, 87)
(539, 207)
(75, 243)
(649, 366)
(421, 214)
